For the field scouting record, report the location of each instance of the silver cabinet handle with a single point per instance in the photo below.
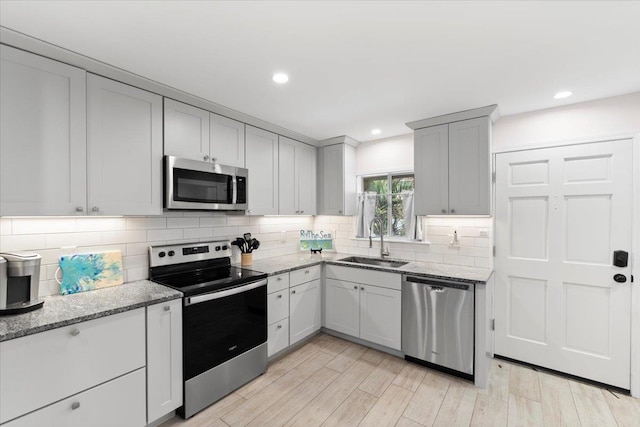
(95, 209)
(213, 159)
(75, 405)
(279, 327)
(79, 209)
(206, 158)
(301, 211)
(293, 292)
(355, 287)
(297, 212)
(75, 332)
(444, 211)
(339, 212)
(279, 279)
(362, 288)
(453, 211)
(167, 308)
(279, 296)
(306, 272)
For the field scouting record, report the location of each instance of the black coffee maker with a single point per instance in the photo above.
(19, 282)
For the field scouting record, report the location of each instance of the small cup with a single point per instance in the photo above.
(246, 259)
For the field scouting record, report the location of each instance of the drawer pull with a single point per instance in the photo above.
(75, 332)
(306, 272)
(75, 405)
(355, 287)
(279, 327)
(279, 296)
(293, 292)
(362, 288)
(167, 308)
(279, 279)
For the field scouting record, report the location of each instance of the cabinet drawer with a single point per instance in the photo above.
(306, 274)
(277, 306)
(39, 369)
(383, 279)
(278, 337)
(278, 283)
(120, 402)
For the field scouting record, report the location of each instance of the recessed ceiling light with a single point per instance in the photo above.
(563, 94)
(280, 78)
(376, 132)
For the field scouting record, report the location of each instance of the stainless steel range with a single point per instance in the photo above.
(224, 322)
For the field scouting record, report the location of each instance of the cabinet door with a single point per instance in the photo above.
(306, 179)
(277, 306)
(332, 195)
(304, 306)
(431, 159)
(186, 131)
(287, 182)
(261, 157)
(42, 136)
(342, 307)
(119, 402)
(124, 149)
(226, 141)
(164, 358)
(380, 316)
(469, 175)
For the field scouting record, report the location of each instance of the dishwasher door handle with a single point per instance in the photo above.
(438, 289)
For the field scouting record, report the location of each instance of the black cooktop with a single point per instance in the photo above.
(205, 280)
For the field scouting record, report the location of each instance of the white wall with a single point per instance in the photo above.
(602, 117)
(385, 155)
(54, 237)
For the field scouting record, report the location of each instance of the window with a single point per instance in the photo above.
(389, 204)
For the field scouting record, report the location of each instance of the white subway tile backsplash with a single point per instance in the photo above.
(213, 221)
(5, 226)
(183, 222)
(144, 223)
(43, 225)
(100, 224)
(168, 234)
(238, 220)
(135, 261)
(198, 233)
(138, 248)
(60, 240)
(137, 274)
(22, 242)
(128, 236)
(225, 232)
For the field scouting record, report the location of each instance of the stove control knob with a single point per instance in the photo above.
(217, 248)
(171, 253)
(162, 254)
(225, 247)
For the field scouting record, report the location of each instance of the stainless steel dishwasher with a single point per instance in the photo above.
(437, 323)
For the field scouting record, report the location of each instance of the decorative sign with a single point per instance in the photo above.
(315, 240)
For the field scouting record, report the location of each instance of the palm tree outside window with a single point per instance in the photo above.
(389, 204)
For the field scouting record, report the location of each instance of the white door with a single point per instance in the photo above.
(431, 167)
(304, 306)
(186, 131)
(227, 141)
(306, 178)
(124, 149)
(43, 138)
(261, 157)
(560, 214)
(380, 317)
(342, 307)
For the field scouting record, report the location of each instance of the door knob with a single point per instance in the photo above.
(620, 278)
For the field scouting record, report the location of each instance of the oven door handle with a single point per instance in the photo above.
(217, 295)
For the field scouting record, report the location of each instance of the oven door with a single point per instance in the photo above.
(191, 184)
(222, 325)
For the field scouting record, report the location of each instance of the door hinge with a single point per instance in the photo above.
(493, 324)
(493, 177)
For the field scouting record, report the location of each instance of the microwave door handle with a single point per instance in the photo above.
(217, 295)
(234, 190)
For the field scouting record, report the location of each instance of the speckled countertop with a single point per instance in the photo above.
(63, 310)
(285, 263)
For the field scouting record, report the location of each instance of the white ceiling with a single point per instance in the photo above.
(358, 65)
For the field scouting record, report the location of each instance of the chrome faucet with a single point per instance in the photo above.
(383, 251)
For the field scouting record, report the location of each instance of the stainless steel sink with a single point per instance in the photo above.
(374, 261)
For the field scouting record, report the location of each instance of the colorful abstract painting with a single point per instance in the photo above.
(86, 272)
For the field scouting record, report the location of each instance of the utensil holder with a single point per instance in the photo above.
(246, 259)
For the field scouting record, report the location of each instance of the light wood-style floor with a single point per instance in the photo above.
(331, 382)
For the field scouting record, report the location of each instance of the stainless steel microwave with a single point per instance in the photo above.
(197, 185)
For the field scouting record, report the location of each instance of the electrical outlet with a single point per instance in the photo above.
(283, 236)
(483, 232)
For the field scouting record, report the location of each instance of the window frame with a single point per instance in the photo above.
(389, 195)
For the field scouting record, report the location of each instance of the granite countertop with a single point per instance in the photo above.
(63, 310)
(282, 264)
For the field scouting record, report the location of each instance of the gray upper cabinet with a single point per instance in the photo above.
(261, 159)
(337, 189)
(227, 141)
(42, 136)
(197, 134)
(452, 168)
(186, 131)
(124, 149)
(296, 178)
